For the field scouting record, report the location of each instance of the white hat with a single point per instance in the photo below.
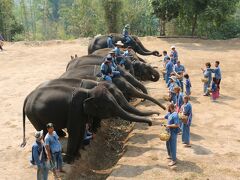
(38, 134)
(173, 47)
(119, 43)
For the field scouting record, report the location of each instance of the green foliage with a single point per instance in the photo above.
(8, 24)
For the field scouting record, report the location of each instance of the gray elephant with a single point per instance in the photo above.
(69, 107)
(100, 42)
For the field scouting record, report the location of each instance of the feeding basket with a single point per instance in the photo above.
(204, 80)
(183, 118)
(165, 136)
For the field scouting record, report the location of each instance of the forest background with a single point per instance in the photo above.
(70, 19)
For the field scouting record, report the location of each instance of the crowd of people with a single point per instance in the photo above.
(179, 116)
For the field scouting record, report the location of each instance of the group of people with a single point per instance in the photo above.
(179, 88)
(47, 152)
(115, 57)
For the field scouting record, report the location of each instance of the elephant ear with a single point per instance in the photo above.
(89, 106)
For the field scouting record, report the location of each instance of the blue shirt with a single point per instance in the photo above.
(187, 110)
(175, 55)
(53, 142)
(172, 119)
(176, 83)
(214, 87)
(110, 42)
(217, 72)
(127, 53)
(165, 58)
(37, 149)
(179, 69)
(179, 99)
(169, 68)
(117, 52)
(208, 74)
(125, 32)
(106, 69)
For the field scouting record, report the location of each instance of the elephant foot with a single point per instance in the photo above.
(68, 159)
(61, 133)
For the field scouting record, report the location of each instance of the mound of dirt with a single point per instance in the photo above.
(98, 158)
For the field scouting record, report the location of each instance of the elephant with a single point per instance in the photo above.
(92, 60)
(70, 107)
(89, 84)
(100, 42)
(142, 71)
(91, 71)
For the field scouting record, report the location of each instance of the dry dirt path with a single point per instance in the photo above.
(215, 131)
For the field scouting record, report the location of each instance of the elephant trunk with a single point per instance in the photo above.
(138, 94)
(130, 117)
(127, 107)
(155, 76)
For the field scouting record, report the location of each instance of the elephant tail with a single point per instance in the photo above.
(24, 120)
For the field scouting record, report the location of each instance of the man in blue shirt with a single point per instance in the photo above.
(169, 69)
(109, 41)
(54, 148)
(174, 54)
(179, 69)
(106, 70)
(165, 56)
(125, 34)
(39, 156)
(118, 52)
(218, 74)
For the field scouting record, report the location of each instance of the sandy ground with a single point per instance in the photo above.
(215, 131)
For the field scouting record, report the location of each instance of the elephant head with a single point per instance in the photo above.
(102, 104)
(145, 72)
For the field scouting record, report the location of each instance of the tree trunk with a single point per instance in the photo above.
(194, 24)
(162, 28)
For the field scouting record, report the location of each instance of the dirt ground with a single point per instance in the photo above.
(215, 131)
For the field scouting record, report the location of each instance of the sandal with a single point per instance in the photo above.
(187, 145)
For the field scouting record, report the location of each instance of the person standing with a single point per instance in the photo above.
(188, 85)
(165, 56)
(179, 69)
(187, 111)
(110, 41)
(169, 69)
(173, 128)
(1, 42)
(174, 54)
(207, 73)
(39, 156)
(54, 148)
(217, 73)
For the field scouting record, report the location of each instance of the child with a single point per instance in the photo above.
(207, 73)
(186, 109)
(188, 85)
(214, 89)
(218, 74)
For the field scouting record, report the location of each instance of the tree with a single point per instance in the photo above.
(112, 9)
(165, 10)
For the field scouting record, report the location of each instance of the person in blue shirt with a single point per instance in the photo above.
(217, 73)
(54, 148)
(173, 128)
(110, 41)
(171, 87)
(174, 54)
(169, 70)
(174, 79)
(165, 57)
(186, 109)
(188, 84)
(111, 56)
(178, 102)
(125, 33)
(179, 69)
(119, 53)
(127, 52)
(39, 156)
(214, 89)
(207, 73)
(106, 70)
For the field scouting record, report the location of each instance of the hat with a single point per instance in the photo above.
(109, 57)
(127, 26)
(173, 47)
(112, 51)
(38, 134)
(119, 43)
(50, 125)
